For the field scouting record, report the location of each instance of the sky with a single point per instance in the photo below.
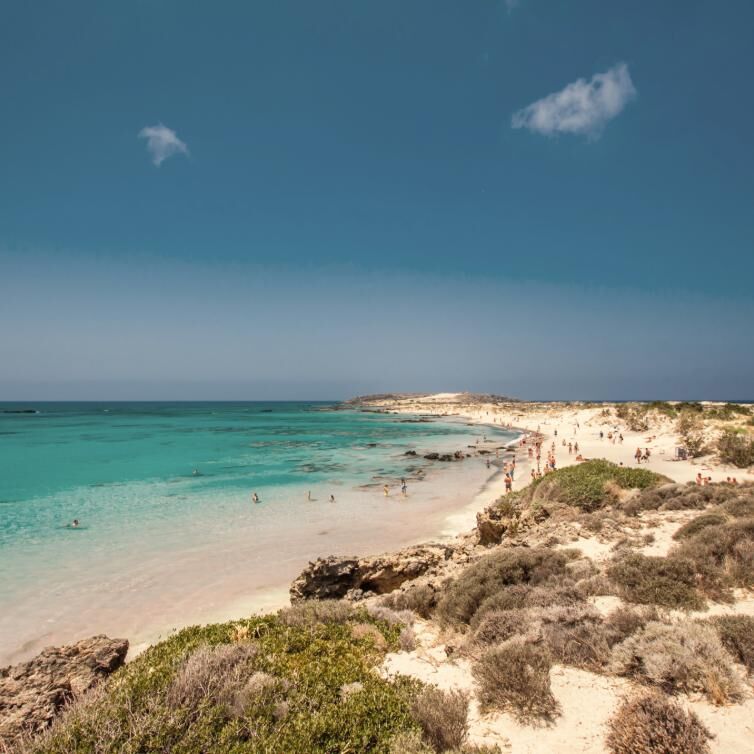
(292, 200)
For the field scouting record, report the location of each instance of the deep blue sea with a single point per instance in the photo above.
(162, 493)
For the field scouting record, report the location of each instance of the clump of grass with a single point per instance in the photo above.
(670, 582)
(443, 717)
(685, 656)
(489, 575)
(515, 676)
(737, 635)
(651, 723)
(693, 527)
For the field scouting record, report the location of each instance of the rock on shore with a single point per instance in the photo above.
(335, 577)
(33, 693)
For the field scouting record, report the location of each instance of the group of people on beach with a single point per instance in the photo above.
(640, 456)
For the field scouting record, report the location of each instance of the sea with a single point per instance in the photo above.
(168, 533)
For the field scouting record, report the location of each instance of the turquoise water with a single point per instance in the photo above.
(155, 485)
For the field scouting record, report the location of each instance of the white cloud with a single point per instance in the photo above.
(162, 143)
(583, 107)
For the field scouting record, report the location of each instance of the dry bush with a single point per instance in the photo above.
(685, 656)
(595, 586)
(521, 596)
(736, 448)
(693, 527)
(740, 507)
(646, 580)
(498, 626)
(490, 574)
(210, 672)
(581, 568)
(407, 639)
(260, 686)
(575, 636)
(515, 676)
(723, 556)
(626, 621)
(737, 635)
(651, 723)
(390, 616)
(369, 631)
(311, 612)
(443, 717)
(420, 598)
(672, 497)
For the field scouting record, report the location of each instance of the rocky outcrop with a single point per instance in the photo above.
(34, 692)
(335, 577)
(492, 525)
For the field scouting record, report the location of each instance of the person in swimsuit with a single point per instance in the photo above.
(332, 498)
(255, 498)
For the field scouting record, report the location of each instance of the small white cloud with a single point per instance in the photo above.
(583, 107)
(162, 143)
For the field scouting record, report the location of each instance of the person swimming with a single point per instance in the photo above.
(255, 498)
(74, 524)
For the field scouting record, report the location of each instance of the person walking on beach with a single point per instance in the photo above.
(513, 469)
(332, 498)
(404, 487)
(637, 455)
(255, 498)
(508, 483)
(309, 496)
(386, 490)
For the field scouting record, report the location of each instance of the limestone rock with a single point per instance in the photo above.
(335, 577)
(34, 692)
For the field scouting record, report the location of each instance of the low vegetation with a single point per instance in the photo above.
(736, 448)
(686, 656)
(488, 578)
(443, 717)
(515, 676)
(737, 635)
(651, 723)
(301, 682)
(669, 581)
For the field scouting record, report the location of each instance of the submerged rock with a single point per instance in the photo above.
(335, 577)
(34, 692)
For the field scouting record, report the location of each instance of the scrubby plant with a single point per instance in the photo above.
(737, 635)
(693, 527)
(419, 598)
(652, 723)
(278, 689)
(407, 639)
(625, 621)
(722, 556)
(575, 636)
(736, 448)
(313, 612)
(647, 580)
(685, 656)
(443, 717)
(515, 676)
(742, 506)
(592, 485)
(691, 430)
(498, 626)
(483, 579)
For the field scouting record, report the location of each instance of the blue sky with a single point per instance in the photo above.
(546, 199)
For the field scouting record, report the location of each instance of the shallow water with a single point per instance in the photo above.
(168, 533)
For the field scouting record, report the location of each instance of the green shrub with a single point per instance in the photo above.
(313, 612)
(670, 582)
(737, 635)
(443, 717)
(651, 723)
(690, 427)
(693, 527)
(736, 448)
(515, 676)
(685, 656)
(586, 485)
(492, 573)
(281, 687)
